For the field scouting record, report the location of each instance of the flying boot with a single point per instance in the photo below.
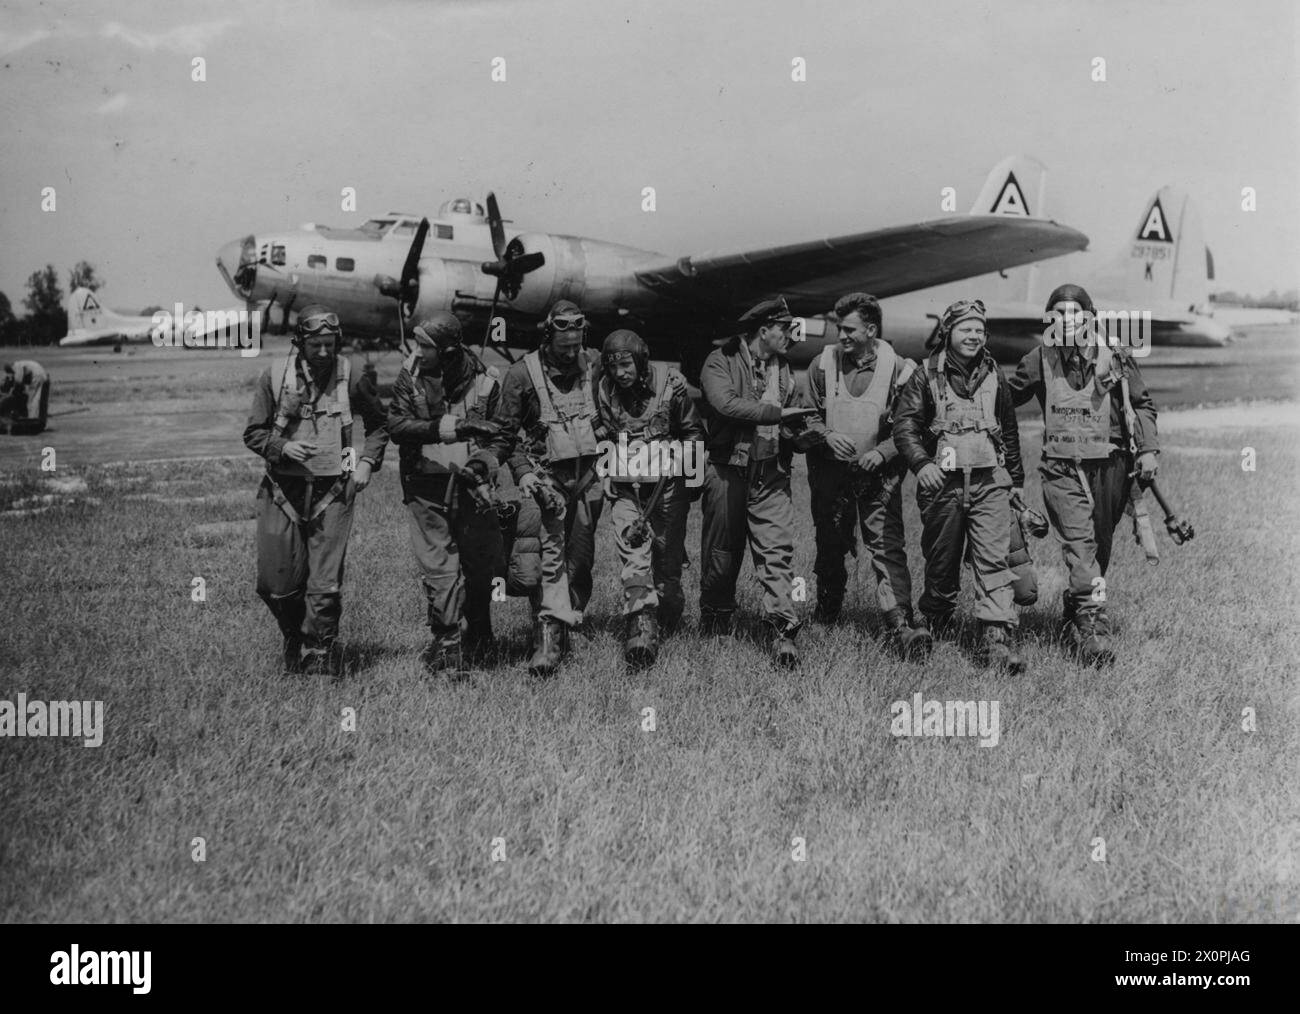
(444, 656)
(477, 641)
(716, 622)
(1092, 637)
(641, 638)
(998, 649)
(912, 639)
(828, 607)
(291, 654)
(548, 647)
(784, 652)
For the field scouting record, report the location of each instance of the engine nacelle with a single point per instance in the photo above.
(538, 289)
(587, 271)
(440, 280)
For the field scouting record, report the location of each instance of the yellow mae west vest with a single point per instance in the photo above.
(652, 424)
(568, 416)
(327, 422)
(969, 434)
(442, 456)
(858, 417)
(1076, 424)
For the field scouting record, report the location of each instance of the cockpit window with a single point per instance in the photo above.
(404, 229)
(461, 206)
(277, 255)
(378, 225)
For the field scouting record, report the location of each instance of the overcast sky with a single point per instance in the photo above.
(153, 171)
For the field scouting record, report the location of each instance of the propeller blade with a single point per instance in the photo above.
(496, 295)
(527, 262)
(496, 226)
(410, 286)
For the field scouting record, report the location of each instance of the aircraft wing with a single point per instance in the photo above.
(884, 262)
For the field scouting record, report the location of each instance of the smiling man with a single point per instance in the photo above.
(956, 428)
(855, 473)
(1087, 468)
(753, 411)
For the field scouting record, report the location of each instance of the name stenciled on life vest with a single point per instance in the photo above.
(207, 329)
(1128, 329)
(651, 459)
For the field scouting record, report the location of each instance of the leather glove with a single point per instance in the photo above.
(478, 468)
(466, 428)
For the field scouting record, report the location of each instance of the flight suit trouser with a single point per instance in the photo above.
(652, 572)
(978, 533)
(300, 563)
(459, 551)
(748, 503)
(1086, 530)
(843, 497)
(568, 551)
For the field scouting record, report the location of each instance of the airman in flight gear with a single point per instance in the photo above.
(855, 474)
(956, 427)
(647, 405)
(442, 401)
(1087, 468)
(753, 411)
(301, 423)
(547, 423)
(24, 398)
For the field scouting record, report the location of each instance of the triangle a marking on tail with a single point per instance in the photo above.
(1155, 227)
(1011, 199)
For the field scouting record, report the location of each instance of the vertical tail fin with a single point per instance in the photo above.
(1016, 186)
(1166, 263)
(85, 313)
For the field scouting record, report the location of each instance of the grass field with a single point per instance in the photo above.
(694, 821)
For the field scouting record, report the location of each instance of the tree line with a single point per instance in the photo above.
(46, 319)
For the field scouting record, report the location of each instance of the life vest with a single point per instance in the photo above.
(327, 422)
(654, 423)
(441, 456)
(1076, 424)
(968, 430)
(859, 416)
(568, 416)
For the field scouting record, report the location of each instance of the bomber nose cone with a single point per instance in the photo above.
(237, 263)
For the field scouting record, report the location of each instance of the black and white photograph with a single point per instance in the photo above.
(620, 462)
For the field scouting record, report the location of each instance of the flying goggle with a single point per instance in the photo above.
(318, 322)
(443, 340)
(568, 322)
(620, 359)
(965, 306)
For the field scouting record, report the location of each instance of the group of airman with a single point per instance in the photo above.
(507, 477)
